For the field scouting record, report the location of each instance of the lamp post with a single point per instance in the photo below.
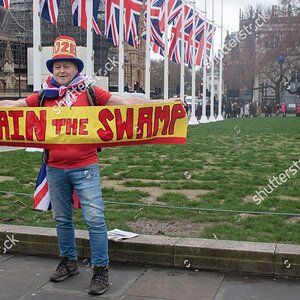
(281, 61)
(19, 37)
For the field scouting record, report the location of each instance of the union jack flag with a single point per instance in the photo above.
(200, 48)
(175, 54)
(5, 3)
(112, 13)
(132, 11)
(176, 29)
(131, 21)
(156, 36)
(41, 197)
(199, 27)
(156, 48)
(79, 14)
(174, 9)
(49, 10)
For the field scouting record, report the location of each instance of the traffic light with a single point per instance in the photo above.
(136, 86)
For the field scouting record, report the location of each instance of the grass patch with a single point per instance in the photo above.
(228, 167)
(139, 183)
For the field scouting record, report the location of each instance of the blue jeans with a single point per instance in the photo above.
(86, 182)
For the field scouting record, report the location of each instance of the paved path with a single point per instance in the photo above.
(7, 148)
(26, 277)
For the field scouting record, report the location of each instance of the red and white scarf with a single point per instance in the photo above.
(53, 90)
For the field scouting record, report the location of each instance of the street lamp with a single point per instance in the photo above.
(19, 38)
(281, 61)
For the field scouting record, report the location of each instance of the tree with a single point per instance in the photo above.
(281, 47)
(258, 56)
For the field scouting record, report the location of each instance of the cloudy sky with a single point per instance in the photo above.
(231, 11)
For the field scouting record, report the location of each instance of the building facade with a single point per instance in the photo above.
(264, 56)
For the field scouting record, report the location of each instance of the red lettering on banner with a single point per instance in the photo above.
(36, 124)
(126, 125)
(134, 125)
(145, 117)
(178, 112)
(105, 134)
(4, 125)
(71, 125)
(16, 115)
(58, 123)
(162, 114)
(82, 126)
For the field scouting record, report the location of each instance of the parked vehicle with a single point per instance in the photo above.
(188, 100)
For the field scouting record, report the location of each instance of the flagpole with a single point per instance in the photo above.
(182, 75)
(220, 116)
(204, 119)
(148, 66)
(121, 48)
(166, 62)
(193, 120)
(37, 47)
(212, 92)
(89, 39)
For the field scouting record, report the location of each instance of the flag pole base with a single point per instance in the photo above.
(220, 118)
(203, 120)
(212, 119)
(193, 121)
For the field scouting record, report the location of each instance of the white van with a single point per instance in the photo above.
(188, 100)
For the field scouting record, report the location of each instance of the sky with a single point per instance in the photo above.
(231, 15)
(231, 12)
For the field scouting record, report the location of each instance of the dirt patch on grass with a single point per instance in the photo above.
(154, 192)
(293, 220)
(289, 198)
(6, 178)
(248, 198)
(242, 216)
(30, 184)
(169, 228)
(6, 196)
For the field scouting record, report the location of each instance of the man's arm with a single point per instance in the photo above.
(129, 100)
(13, 103)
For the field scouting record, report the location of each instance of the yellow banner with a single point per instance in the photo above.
(99, 126)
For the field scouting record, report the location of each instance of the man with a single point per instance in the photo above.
(74, 169)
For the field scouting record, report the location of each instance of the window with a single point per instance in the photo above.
(272, 41)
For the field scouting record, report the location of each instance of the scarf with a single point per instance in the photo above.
(53, 90)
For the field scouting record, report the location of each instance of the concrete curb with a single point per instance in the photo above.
(217, 255)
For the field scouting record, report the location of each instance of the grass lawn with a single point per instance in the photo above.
(221, 167)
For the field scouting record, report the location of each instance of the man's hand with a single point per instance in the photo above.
(13, 103)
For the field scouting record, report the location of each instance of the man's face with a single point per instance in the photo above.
(64, 71)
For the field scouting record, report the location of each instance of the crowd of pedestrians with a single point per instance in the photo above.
(253, 109)
(236, 109)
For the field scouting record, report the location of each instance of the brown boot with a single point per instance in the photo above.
(65, 269)
(99, 281)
